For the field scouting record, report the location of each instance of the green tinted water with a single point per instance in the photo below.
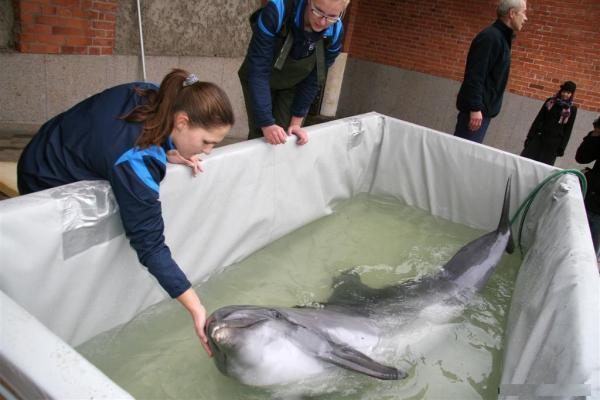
(158, 356)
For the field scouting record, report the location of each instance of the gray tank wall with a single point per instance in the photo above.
(36, 87)
(430, 101)
(186, 28)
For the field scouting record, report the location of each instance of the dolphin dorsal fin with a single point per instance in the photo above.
(353, 360)
(504, 223)
(510, 246)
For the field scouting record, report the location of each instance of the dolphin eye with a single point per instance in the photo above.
(277, 314)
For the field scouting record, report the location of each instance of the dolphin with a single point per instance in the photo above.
(266, 346)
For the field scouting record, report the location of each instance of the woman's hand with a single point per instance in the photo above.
(190, 300)
(193, 162)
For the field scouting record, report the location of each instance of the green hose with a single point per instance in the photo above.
(527, 202)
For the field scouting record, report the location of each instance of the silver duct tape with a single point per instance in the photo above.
(356, 133)
(79, 240)
(90, 215)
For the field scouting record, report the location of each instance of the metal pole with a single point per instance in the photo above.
(139, 12)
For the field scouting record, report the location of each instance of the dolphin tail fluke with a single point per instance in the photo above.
(504, 224)
(353, 360)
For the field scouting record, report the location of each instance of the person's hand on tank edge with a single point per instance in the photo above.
(194, 162)
(274, 134)
(300, 133)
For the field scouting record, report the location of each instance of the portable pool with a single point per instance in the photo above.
(68, 272)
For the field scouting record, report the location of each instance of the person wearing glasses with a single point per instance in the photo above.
(486, 73)
(292, 46)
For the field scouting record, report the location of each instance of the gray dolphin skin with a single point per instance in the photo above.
(265, 346)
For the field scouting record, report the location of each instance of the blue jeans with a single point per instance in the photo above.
(594, 220)
(462, 128)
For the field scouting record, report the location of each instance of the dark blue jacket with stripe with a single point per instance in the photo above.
(261, 55)
(91, 142)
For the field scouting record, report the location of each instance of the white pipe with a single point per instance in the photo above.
(139, 11)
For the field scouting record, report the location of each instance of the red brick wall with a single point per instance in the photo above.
(560, 41)
(65, 26)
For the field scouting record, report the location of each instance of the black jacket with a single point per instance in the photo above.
(589, 151)
(486, 72)
(547, 138)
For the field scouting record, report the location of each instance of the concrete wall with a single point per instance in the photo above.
(177, 27)
(6, 25)
(186, 28)
(207, 38)
(35, 87)
(430, 101)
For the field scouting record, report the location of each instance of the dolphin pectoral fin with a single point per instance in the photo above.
(353, 360)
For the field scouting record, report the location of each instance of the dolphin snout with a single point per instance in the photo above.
(216, 331)
(219, 334)
(209, 326)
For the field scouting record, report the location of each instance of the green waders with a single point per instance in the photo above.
(285, 75)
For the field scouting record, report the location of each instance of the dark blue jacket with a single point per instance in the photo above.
(486, 72)
(261, 56)
(90, 142)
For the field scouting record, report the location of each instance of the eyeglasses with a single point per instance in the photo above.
(320, 14)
